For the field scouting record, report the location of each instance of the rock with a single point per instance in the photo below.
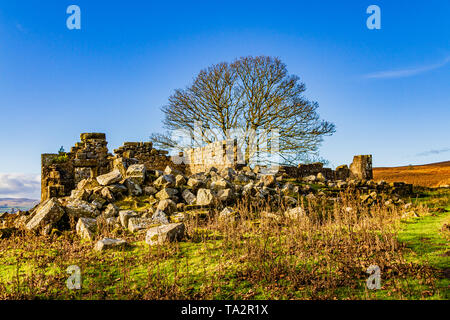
(117, 188)
(188, 196)
(149, 190)
(81, 209)
(49, 213)
(80, 194)
(310, 179)
(342, 184)
(124, 217)
(109, 178)
(227, 214)
(194, 183)
(87, 184)
(165, 181)
(168, 206)
(86, 228)
(361, 167)
(268, 180)
(220, 184)
(107, 243)
(287, 188)
(407, 206)
(321, 177)
(241, 178)
(160, 217)
(107, 194)
(136, 173)
(167, 233)
(170, 171)
(180, 181)
(247, 188)
(295, 213)
(225, 195)
(290, 201)
(111, 211)
(204, 197)
(133, 188)
(310, 196)
(167, 193)
(136, 224)
(228, 173)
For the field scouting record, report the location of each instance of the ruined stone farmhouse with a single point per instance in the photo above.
(89, 158)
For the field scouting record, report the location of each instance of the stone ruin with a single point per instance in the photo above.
(60, 173)
(88, 183)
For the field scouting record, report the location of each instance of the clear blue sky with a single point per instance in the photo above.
(387, 91)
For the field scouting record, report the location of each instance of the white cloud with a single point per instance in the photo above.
(406, 72)
(20, 185)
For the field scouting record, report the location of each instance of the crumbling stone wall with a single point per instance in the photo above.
(361, 167)
(89, 158)
(219, 154)
(144, 153)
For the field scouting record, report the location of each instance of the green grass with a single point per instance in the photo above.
(202, 267)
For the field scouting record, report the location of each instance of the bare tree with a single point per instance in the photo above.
(253, 99)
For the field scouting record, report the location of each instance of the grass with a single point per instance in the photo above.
(321, 256)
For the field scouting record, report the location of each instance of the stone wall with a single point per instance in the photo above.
(89, 158)
(220, 155)
(361, 167)
(144, 153)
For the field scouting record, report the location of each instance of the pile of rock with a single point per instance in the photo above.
(92, 205)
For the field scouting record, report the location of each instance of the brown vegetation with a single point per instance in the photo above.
(429, 175)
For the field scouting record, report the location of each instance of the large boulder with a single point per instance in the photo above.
(204, 197)
(136, 173)
(86, 228)
(109, 178)
(78, 209)
(48, 214)
(167, 233)
(107, 243)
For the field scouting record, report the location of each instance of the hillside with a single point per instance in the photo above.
(428, 175)
(22, 203)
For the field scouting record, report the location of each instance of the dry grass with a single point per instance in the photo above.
(430, 175)
(321, 255)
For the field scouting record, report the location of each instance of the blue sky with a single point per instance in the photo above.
(386, 90)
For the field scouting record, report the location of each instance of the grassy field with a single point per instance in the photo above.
(429, 175)
(324, 255)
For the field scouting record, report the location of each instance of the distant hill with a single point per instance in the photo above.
(22, 203)
(427, 175)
